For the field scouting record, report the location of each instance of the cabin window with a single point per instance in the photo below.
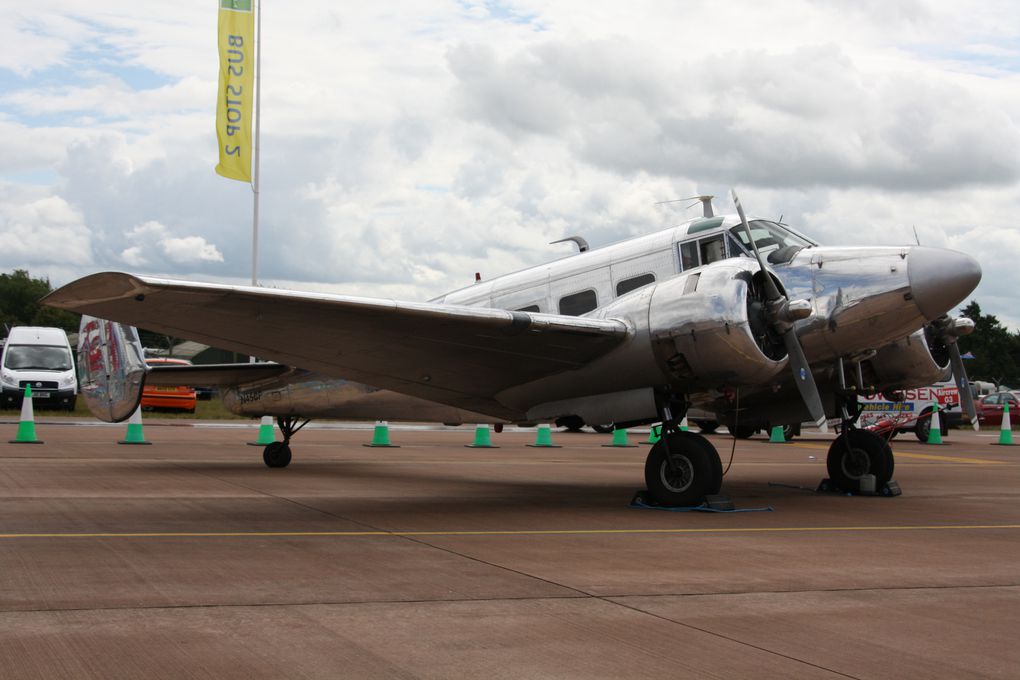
(529, 308)
(712, 249)
(578, 303)
(633, 283)
(689, 255)
(703, 251)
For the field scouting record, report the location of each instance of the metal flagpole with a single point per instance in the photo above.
(255, 178)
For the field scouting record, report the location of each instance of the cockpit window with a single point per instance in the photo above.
(768, 236)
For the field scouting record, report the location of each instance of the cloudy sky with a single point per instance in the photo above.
(407, 145)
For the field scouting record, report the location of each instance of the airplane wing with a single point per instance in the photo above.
(212, 375)
(461, 356)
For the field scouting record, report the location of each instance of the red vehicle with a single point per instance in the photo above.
(169, 398)
(989, 409)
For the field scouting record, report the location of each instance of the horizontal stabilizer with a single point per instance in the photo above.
(212, 375)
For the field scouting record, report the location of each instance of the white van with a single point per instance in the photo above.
(40, 357)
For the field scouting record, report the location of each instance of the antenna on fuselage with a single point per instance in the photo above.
(706, 204)
(582, 245)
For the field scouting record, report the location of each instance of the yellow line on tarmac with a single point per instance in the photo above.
(523, 532)
(949, 459)
(923, 456)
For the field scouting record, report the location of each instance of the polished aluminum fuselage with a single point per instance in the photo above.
(689, 330)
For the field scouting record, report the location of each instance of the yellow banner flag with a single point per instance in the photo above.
(236, 93)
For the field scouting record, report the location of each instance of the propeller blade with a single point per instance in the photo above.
(963, 385)
(805, 380)
(771, 291)
(782, 316)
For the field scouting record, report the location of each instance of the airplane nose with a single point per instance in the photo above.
(940, 279)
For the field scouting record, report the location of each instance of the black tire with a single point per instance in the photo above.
(603, 429)
(276, 455)
(923, 426)
(743, 431)
(571, 423)
(791, 431)
(700, 471)
(856, 453)
(706, 426)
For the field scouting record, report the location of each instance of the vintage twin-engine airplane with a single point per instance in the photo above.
(749, 320)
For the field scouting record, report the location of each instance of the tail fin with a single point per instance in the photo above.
(111, 368)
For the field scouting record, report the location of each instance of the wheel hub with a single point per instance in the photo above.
(855, 463)
(678, 480)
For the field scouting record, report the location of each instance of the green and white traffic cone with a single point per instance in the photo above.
(134, 429)
(620, 440)
(381, 436)
(1006, 429)
(26, 426)
(935, 430)
(267, 435)
(776, 436)
(655, 434)
(543, 439)
(482, 439)
(684, 427)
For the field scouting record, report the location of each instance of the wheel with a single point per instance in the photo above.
(923, 427)
(572, 423)
(706, 426)
(276, 455)
(603, 429)
(699, 470)
(856, 453)
(743, 431)
(791, 431)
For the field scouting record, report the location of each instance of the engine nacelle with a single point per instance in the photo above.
(916, 361)
(708, 330)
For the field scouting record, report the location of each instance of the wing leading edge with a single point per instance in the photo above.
(461, 356)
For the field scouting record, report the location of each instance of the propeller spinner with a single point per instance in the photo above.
(781, 313)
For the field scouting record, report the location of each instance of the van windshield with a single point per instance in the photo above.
(37, 358)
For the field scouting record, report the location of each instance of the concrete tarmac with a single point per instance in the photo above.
(190, 559)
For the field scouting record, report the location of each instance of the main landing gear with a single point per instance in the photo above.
(856, 453)
(682, 467)
(277, 454)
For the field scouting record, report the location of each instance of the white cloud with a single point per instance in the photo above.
(190, 249)
(43, 230)
(408, 145)
(152, 241)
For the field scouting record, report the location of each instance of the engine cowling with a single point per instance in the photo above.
(917, 360)
(708, 328)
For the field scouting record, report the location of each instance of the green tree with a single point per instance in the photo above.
(19, 303)
(996, 351)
